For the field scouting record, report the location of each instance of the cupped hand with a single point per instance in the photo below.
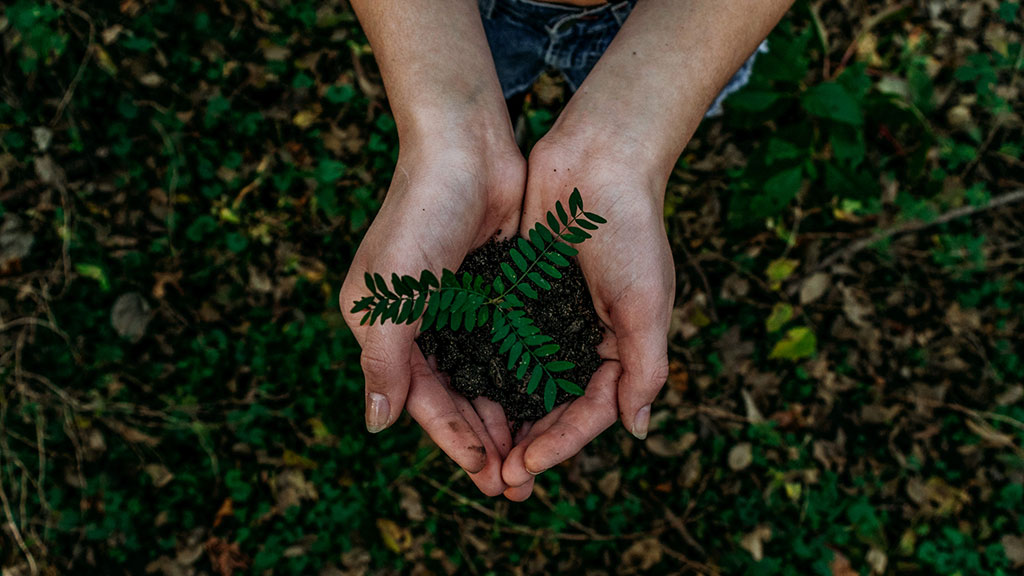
(629, 271)
(444, 201)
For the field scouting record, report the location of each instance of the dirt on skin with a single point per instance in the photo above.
(476, 368)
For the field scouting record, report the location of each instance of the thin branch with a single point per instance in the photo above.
(66, 98)
(916, 226)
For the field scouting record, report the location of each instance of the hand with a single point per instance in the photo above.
(629, 269)
(445, 200)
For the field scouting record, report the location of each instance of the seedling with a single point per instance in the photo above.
(470, 302)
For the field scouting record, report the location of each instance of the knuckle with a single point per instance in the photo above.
(375, 360)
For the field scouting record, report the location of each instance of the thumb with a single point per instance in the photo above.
(643, 353)
(385, 361)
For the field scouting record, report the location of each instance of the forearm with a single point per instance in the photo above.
(651, 88)
(437, 67)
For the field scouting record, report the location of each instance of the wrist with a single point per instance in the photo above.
(599, 152)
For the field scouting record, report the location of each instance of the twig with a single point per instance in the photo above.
(12, 526)
(66, 99)
(697, 567)
(869, 24)
(503, 524)
(859, 245)
(695, 263)
(965, 410)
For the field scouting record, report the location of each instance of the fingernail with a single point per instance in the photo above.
(641, 421)
(378, 411)
(532, 473)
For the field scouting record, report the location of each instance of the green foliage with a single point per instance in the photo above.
(897, 440)
(39, 38)
(468, 302)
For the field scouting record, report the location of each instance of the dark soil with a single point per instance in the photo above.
(566, 313)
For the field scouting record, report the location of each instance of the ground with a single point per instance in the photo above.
(182, 185)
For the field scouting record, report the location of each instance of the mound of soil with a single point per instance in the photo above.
(566, 313)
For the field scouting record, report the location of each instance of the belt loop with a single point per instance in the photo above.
(486, 8)
(622, 9)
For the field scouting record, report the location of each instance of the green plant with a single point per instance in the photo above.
(470, 301)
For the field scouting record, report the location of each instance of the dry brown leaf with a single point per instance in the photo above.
(226, 509)
(1013, 546)
(609, 483)
(291, 488)
(411, 503)
(160, 475)
(226, 557)
(660, 445)
(753, 542)
(814, 287)
(642, 555)
(741, 456)
(878, 561)
(840, 565)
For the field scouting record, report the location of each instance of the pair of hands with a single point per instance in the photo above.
(450, 195)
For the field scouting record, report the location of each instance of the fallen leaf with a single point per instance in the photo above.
(642, 555)
(781, 313)
(397, 538)
(753, 542)
(411, 503)
(130, 316)
(753, 414)
(857, 307)
(305, 118)
(798, 343)
(1013, 547)
(814, 287)
(291, 488)
(159, 474)
(226, 509)
(609, 483)
(660, 445)
(296, 460)
(840, 565)
(741, 456)
(15, 241)
(779, 270)
(226, 557)
(877, 560)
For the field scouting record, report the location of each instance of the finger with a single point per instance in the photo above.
(481, 414)
(488, 479)
(432, 406)
(585, 418)
(520, 493)
(514, 471)
(643, 351)
(493, 417)
(385, 362)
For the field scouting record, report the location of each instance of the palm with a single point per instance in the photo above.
(629, 271)
(435, 213)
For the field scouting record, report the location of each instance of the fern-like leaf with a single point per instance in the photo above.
(547, 249)
(527, 348)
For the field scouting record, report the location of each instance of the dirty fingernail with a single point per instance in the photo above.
(641, 421)
(378, 411)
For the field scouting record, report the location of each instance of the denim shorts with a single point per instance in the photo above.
(528, 37)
